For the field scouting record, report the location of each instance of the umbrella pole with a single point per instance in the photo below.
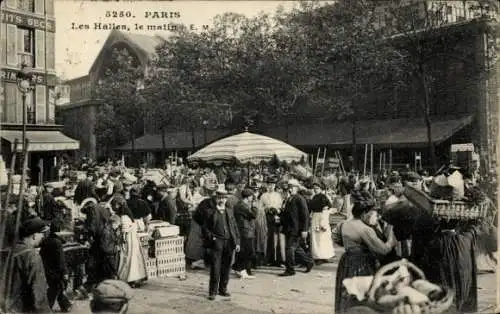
(248, 174)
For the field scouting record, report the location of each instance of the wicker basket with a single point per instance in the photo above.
(435, 307)
(446, 209)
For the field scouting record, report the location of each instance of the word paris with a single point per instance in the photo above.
(148, 14)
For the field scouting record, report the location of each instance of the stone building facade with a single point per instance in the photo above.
(27, 36)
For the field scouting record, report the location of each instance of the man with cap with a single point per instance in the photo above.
(85, 189)
(111, 296)
(220, 235)
(26, 284)
(295, 222)
(167, 207)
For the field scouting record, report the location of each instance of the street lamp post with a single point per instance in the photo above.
(205, 125)
(24, 77)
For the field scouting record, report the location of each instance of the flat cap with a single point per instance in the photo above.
(32, 226)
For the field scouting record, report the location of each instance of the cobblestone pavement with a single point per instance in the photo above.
(268, 293)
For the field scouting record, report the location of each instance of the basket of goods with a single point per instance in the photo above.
(447, 199)
(407, 291)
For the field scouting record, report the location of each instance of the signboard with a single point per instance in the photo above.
(468, 147)
(20, 19)
(10, 75)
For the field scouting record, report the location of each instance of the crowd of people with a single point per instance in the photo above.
(233, 220)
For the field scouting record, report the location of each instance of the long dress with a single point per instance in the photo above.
(321, 232)
(361, 246)
(446, 254)
(132, 264)
(261, 231)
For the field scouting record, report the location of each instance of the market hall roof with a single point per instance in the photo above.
(142, 45)
(395, 132)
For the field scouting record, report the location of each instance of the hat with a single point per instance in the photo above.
(271, 180)
(211, 186)
(32, 226)
(48, 185)
(112, 291)
(252, 186)
(221, 190)
(318, 183)
(246, 192)
(294, 182)
(162, 187)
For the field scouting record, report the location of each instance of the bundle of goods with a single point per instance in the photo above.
(404, 291)
(450, 197)
(165, 250)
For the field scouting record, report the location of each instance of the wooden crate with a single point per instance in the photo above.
(167, 247)
(151, 267)
(171, 266)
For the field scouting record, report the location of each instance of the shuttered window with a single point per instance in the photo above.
(3, 43)
(40, 49)
(39, 6)
(11, 4)
(49, 6)
(41, 96)
(12, 39)
(50, 46)
(51, 106)
(11, 110)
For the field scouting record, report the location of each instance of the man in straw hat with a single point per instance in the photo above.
(26, 272)
(221, 236)
(295, 222)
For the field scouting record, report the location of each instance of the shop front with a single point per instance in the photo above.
(45, 151)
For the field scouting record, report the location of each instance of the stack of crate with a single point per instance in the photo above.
(170, 258)
(145, 241)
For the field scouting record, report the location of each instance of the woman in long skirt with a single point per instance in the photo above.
(445, 251)
(132, 267)
(361, 246)
(321, 233)
(261, 231)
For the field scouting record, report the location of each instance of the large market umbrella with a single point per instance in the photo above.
(247, 148)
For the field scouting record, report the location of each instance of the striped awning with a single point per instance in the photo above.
(245, 148)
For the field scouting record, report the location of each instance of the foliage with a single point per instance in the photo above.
(122, 111)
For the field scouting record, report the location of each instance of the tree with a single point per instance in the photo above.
(122, 115)
(345, 56)
(420, 31)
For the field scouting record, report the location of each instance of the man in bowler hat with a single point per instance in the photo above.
(221, 236)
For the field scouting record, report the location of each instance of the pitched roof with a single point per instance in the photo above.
(143, 45)
(145, 42)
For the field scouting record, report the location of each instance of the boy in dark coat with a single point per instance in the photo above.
(52, 253)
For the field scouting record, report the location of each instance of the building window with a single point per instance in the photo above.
(26, 5)
(26, 46)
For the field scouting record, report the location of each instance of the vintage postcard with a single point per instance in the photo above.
(249, 156)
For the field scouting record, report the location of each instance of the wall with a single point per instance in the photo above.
(72, 117)
(27, 35)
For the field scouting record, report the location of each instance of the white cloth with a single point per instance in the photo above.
(321, 235)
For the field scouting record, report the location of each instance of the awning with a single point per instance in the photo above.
(390, 132)
(41, 140)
